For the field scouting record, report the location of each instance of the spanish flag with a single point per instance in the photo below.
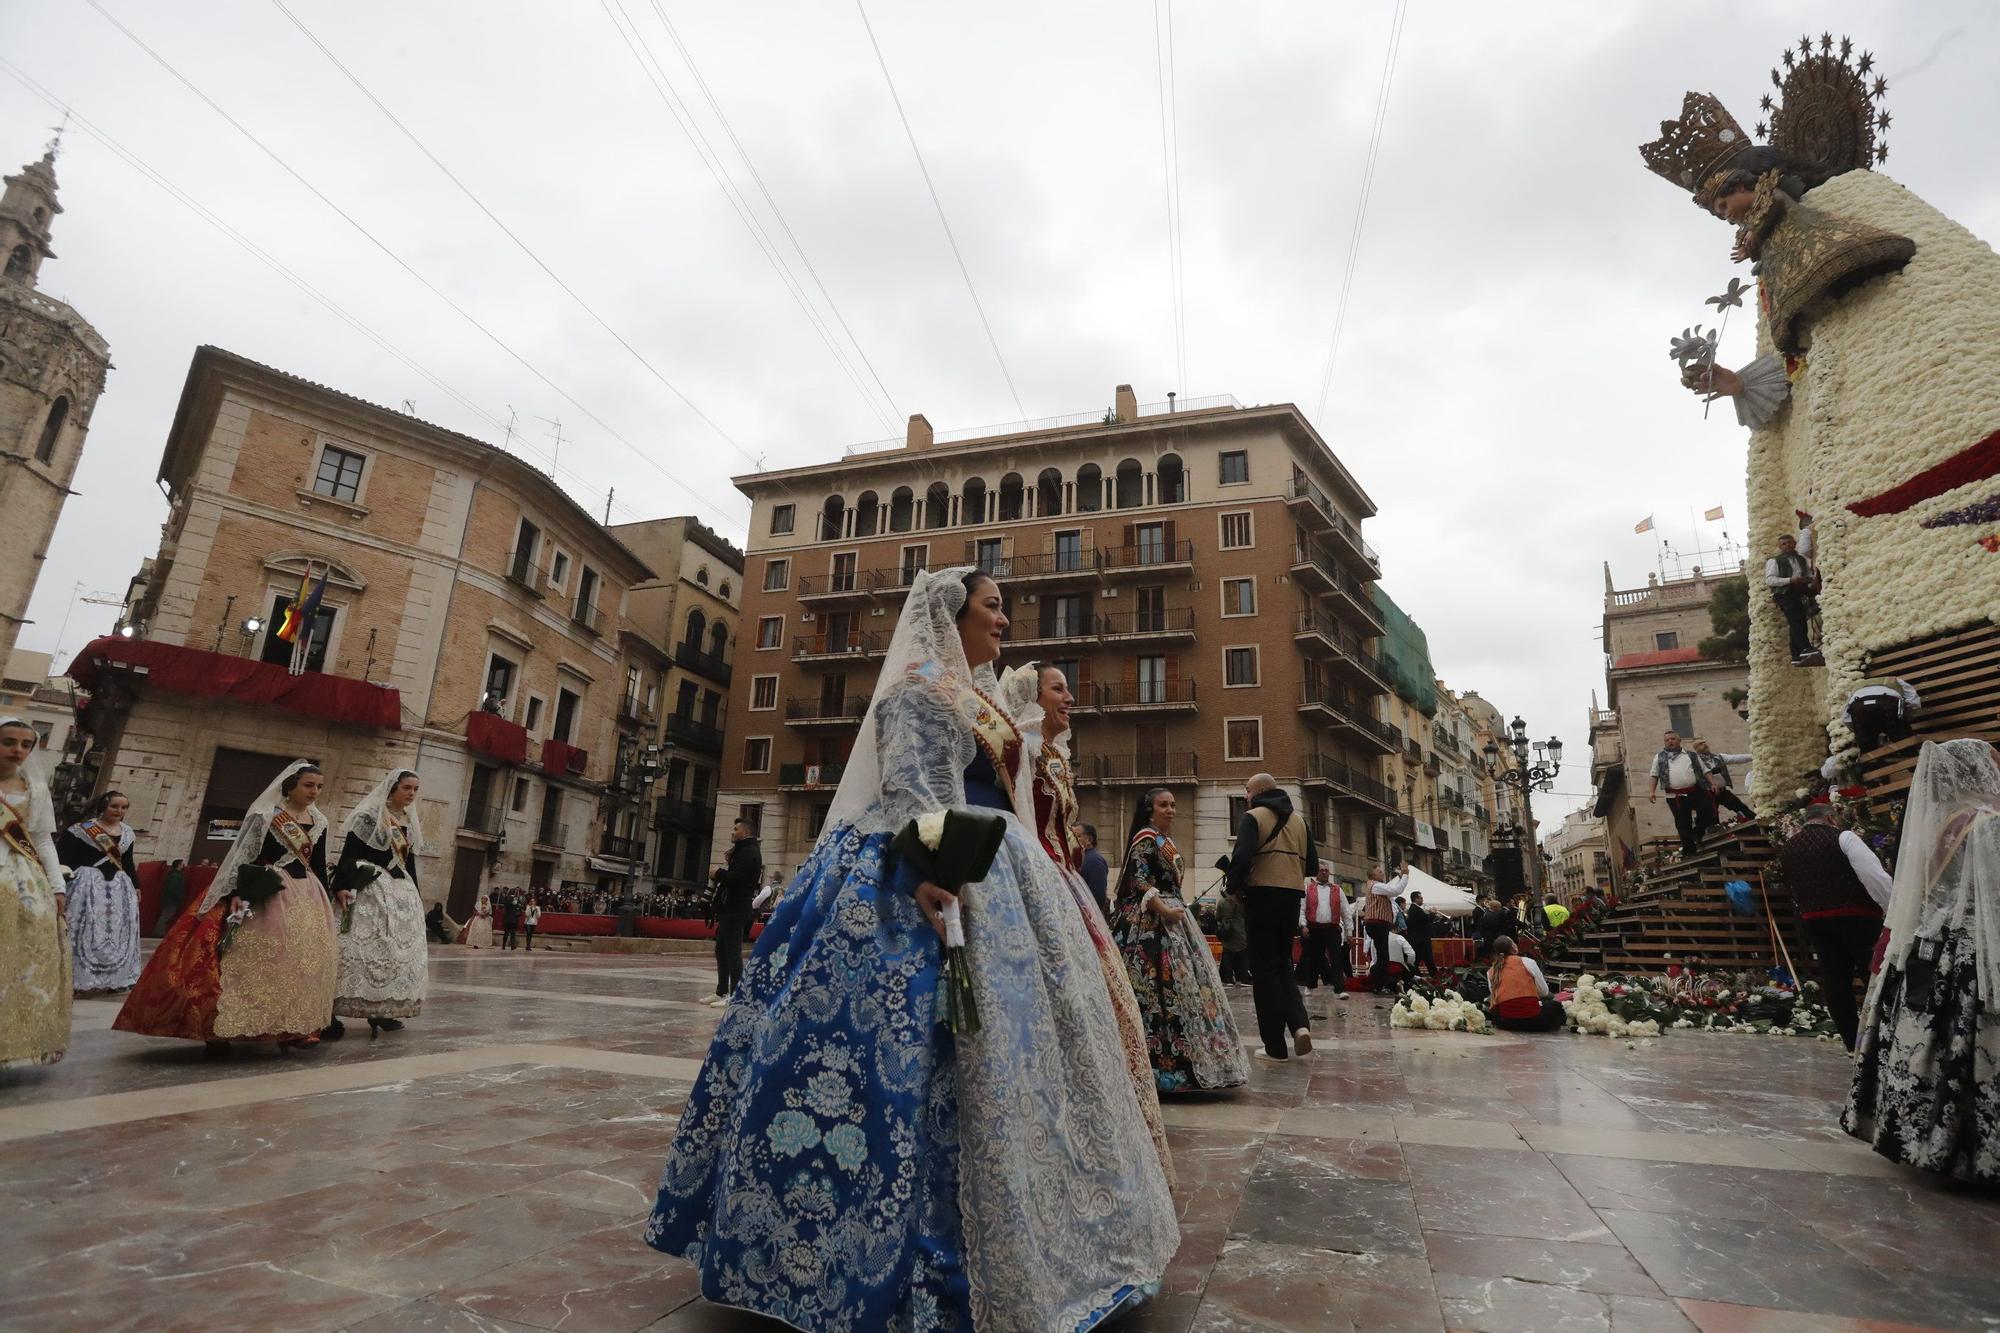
(1713, 515)
(288, 628)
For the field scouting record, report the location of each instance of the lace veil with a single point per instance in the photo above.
(250, 836)
(1020, 694)
(368, 820)
(41, 810)
(1948, 869)
(910, 756)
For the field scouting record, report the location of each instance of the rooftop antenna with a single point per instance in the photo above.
(409, 407)
(607, 505)
(555, 425)
(54, 145)
(507, 440)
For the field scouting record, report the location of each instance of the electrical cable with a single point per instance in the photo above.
(656, 74)
(938, 204)
(507, 231)
(1170, 170)
(1361, 202)
(772, 203)
(718, 510)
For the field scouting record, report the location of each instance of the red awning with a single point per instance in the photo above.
(497, 738)
(558, 757)
(1656, 657)
(196, 671)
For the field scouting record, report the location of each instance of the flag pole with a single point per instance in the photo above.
(301, 636)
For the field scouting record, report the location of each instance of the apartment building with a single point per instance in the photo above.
(1197, 570)
(469, 630)
(1656, 681)
(679, 641)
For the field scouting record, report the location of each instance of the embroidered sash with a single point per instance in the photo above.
(995, 734)
(16, 834)
(112, 847)
(296, 838)
(399, 847)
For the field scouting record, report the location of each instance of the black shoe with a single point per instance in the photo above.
(215, 1050)
(333, 1031)
(388, 1024)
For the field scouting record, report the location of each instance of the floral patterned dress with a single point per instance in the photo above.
(1191, 1035)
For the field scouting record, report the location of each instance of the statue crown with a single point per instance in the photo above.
(1705, 140)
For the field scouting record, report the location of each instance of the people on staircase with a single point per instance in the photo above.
(1688, 794)
(1879, 710)
(1721, 787)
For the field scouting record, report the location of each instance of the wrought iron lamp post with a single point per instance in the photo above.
(638, 769)
(1526, 777)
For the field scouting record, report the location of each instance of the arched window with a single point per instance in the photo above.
(1170, 480)
(1011, 493)
(1129, 486)
(1048, 494)
(718, 638)
(701, 576)
(832, 516)
(697, 623)
(937, 505)
(902, 509)
(723, 591)
(58, 414)
(972, 502)
(867, 514)
(18, 262)
(1089, 489)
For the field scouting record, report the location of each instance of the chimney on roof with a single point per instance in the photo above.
(920, 436)
(1125, 403)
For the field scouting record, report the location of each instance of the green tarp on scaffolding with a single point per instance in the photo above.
(1407, 656)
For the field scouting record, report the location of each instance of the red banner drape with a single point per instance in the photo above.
(559, 757)
(196, 671)
(497, 738)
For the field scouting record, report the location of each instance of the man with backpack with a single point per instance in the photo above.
(1268, 870)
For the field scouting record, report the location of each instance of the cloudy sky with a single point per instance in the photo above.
(1501, 385)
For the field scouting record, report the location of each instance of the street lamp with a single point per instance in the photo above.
(638, 768)
(1538, 776)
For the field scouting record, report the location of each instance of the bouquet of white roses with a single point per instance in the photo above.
(951, 849)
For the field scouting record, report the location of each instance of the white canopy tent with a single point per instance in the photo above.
(1440, 897)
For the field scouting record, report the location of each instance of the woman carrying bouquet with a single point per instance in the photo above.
(1191, 1034)
(384, 957)
(103, 898)
(255, 960)
(1038, 699)
(846, 1158)
(34, 951)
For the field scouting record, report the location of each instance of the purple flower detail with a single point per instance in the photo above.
(1985, 511)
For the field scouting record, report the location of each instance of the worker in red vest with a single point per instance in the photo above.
(1521, 1001)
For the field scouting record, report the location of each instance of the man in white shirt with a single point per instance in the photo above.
(1378, 916)
(1840, 892)
(1688, 794)
(1400, 955)
(1789, 577)
(1321, 917)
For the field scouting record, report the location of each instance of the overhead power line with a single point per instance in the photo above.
(771, 203)
(718, 510)
(663, 87)
(938, 204)
(1361, 201)
(507, 231)
(1170, 168)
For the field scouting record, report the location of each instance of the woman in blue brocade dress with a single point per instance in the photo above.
(844, 1161)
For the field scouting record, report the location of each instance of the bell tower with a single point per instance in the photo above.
(52, 368)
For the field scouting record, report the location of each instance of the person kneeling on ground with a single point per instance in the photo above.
(1521, 1000)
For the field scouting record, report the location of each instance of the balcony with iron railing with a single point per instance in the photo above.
(1051, 630)
(715, 666)
(633, 712)
(1325, 708)
(1156, 557)
(525, 575)
(587, 618)
(693, 733)
(852, 646)
(1445, 741)
(1341, 649)
(844, 586)
(810, 777)
(891, 581)
(1311, 506)
(821, 712)
(1165, 767)
(553, 834)
(1145, 696)
(1049, 568)
(680, 812)
(483, 817)
(1161, 623)
(1347, 782)
(624, 849)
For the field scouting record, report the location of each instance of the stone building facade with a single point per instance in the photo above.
(680, 640)
(52, 369)
(1657, 680)
(1580, 858)
(1444, 788)
(469, 631)
(1197, 570)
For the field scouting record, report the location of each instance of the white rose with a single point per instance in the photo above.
(930, 829)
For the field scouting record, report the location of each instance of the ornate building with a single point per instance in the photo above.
(52, 367)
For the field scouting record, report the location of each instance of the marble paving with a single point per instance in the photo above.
(488, 1168)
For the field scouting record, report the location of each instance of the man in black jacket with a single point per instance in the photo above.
(1418, 919)
(1274, 846)
(736, 885)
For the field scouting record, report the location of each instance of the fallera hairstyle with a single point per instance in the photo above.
(971, 579)
(97, 806)
(293, 781)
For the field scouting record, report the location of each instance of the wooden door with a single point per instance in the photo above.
(468, 868)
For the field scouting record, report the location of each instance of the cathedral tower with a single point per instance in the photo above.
(52, 367)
